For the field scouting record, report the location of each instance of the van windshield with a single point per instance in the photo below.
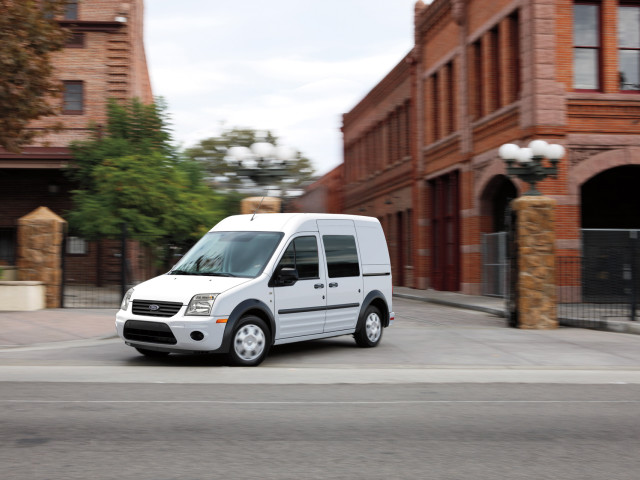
(229, 254)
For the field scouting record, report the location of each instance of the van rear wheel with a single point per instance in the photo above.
(370, 333)
(249, 344)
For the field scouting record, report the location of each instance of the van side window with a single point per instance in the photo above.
(302, 254)
(342, 255)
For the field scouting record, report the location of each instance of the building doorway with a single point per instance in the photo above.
(445, 241)
(611, 199)
(496, 210)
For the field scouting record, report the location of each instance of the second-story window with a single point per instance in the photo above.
(629, 47)
(73, 98)
(71, 10)
(586, 46)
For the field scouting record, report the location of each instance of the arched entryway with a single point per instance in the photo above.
(611, 199)
(495, 201)
(610, 223)
(495, 213)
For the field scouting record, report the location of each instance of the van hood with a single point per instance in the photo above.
(182, 288)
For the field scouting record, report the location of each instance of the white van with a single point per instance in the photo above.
(254, 281)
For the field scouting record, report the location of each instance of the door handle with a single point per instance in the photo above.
(331, 285)
(318, 285)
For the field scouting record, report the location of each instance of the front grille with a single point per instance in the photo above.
(150, 332)
(154, 308)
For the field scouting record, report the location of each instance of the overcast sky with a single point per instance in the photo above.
(289, 66)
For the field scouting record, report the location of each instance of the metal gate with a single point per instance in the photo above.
(494, 264)
(96, 274)
(603, 284)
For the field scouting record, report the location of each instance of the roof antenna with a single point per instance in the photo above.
(256, 210)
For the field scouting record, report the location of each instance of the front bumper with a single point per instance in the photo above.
(176, 334)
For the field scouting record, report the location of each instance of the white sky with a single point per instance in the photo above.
(289, 66)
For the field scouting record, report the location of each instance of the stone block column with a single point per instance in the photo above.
(537, 303)
(40, 238)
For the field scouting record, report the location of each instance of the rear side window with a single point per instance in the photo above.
(342, 255)
(302, 254)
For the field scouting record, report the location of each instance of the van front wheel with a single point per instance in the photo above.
(370, 333)
(249, 344)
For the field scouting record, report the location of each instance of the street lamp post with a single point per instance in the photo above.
(263, 163)
(529, 162)
(532, 301)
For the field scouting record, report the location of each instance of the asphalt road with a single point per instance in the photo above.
(449, 394)
(155, 432)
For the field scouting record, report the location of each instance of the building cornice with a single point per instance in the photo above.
(381, 91)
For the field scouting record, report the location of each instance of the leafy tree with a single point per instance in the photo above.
(28, 36)
(129, 172)
(133, 128)
(213, 153)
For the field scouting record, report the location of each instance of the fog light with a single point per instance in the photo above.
(197, 336)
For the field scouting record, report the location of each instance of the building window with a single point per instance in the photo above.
(451, 98)
(73, 98)
(629, 47)
(496, 70)
(514, 56)
(435, 105)
(586, 46)
(76, 40)
(477, 81)
(71, 10)
(76, 246)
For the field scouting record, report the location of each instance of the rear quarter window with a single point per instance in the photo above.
(342, 255)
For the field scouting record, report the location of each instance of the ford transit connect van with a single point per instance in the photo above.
(254, 281)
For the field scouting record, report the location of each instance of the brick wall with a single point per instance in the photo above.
(482, 74)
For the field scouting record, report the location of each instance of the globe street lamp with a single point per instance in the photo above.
(263, 163)
(529, 166)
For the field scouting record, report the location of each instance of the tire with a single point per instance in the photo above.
(151, 353)
(370, 333)
(250, 342)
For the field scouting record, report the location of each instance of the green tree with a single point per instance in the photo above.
(213, 154)
(28, 36)
(130, 173)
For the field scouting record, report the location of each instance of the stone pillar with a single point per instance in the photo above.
(537, 303)
(40, 237)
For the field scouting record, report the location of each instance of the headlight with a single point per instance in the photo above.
(125, 300)
(201, 304)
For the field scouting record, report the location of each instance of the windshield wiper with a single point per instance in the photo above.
(202, 274)
(179, 272)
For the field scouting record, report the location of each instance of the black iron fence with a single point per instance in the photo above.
(96, 274)
(603, 284)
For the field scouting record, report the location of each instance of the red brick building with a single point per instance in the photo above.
(103, 59)
(420, 150)
(324, 195)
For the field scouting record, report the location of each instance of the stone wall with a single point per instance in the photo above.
(40, 239)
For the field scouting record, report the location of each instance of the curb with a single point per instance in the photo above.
(604, 325)
(478, 308)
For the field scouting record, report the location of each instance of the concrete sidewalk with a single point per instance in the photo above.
(59, 325)
(496, 306)
(19, 329)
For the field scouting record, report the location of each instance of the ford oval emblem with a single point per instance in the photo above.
(154, 307)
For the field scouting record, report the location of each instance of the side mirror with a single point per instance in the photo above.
(286, 277)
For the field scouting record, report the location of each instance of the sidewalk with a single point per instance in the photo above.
(69, 324)
(55, 325)
(496, 306)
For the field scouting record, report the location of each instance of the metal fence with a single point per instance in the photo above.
(96, 274)
(494, 264)
(603, 284)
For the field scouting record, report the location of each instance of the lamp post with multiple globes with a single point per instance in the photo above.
(527, 163)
